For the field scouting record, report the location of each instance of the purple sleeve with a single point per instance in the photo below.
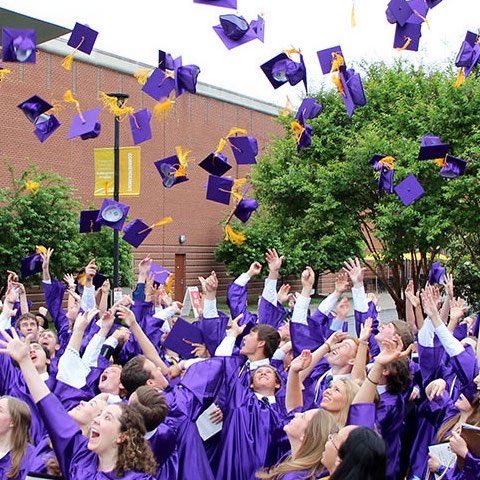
(8, 374)
(270, 314)
(360, 318)
(362, 414)
(237, 302)
(213, 330)
(471, 467)
(465, 366)
(53, 293)
(306, 337)
(66, 436)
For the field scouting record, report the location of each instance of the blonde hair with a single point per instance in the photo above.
(308, 456)
(351, 389)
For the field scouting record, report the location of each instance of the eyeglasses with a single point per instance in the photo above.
(331, 436)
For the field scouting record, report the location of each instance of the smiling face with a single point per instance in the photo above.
(343, 354)
(265, 381)
(105, 431)
(110, 380)
(39, 357)
(335, 398)
(295, 429)
(49, 340)
(85, 412)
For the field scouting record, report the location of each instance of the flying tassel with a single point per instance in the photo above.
(112, 104)
(160, 223)
(388, 162)
(32, 186)
(161, 109)
(68, 60)
(441, 162)
(338, 83)
(40, 249)
(460, 78)
(105, 187)
(353, 19)
(142, 75)
(291, 51)
(183, 161)
(238, 184)
(169, 284)
(407, 43)
(337, 62)
(297, 130)
(423, 18)
(223, 141)
(68, 97)
(4, 72)
(237, 238)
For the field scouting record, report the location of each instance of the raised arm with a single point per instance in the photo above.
(88, 296)
(104, 292)
(294, 396)
(274, 262)
(46, 255)
(237, 291)
(358, 370)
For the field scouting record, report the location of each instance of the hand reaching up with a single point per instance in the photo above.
(355, 272)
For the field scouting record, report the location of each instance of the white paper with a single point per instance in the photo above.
(445, 455)
(205, 426)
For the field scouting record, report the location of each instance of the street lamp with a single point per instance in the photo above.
(121, 98)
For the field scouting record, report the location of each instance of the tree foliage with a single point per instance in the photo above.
(323, 205)
(48, 216)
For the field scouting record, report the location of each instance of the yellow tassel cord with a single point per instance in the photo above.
(297, 130)
(388, 162)
(161, 109)
(337, 62)
(112, 104)
(353, 17)
(223, 141)
(68, 60)
(338, 83)
(160, 223)
(169, 284)
(237, 238)
(441, 162)
(40, 249)
(68, 97)
(423, 18)
(407, 43)
(4, 72)
(142, 75)
(238, 185)
(183, 161)
(460, 78)
(32, 186)
(105, 187)
(288, 109)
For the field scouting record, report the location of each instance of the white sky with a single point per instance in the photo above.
(136, 30)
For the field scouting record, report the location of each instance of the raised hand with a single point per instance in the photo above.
(105, 287)
(342, 283)
(458, 306)
(301, 362)
(355, 271)
(126, 315)
(91, 270)
(429, 301)
(365, 331)
(255, 269)
(436, 388)
(236, 330)
(392, 350)
(308, 280)
(108, 318)
(46, 255)
(449, 289)
(122, 335)
(16, 348)
(200, 350)
(283, 292)
(69, 279)
(274, 262)
(335, 338)
(144, 268)
(211, 286)
(410, 294)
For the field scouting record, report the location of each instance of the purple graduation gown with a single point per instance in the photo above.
(76, 461)
(25, 465)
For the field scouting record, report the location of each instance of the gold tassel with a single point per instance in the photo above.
(291, 51)
(112, 104)
(4, 72)
(407, 43)
(183, 161)
(142, 75)
(32, 186)
(40, 249)
(338, 83)
(223, 141)
(237, 238)
(423, 18)
(160, 223)
(161, 109)
(353, 19)
(238, 184)
(388, 162)
(460, 78)
(297, 130)
(68, 60)
(169, 284)
(337, 62)
(68, 97)
(441, 162)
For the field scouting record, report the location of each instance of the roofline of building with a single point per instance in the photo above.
(120, 64)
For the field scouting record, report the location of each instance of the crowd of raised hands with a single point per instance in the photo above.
(280, 389)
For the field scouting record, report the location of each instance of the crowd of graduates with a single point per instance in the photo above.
(90, 390)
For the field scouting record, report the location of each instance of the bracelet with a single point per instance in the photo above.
(371, 381)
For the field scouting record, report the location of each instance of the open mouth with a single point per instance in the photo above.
(94, 434)
(103, 378)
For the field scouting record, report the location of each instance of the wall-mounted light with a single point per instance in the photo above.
(182, 239)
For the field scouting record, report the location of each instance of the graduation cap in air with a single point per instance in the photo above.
(216, 164)
(140, 126)
(407, 37)
(283, 69)
(309, 108)
(81, 39)
(219, 189)
(45, 125)
(35, 109)
(453, 167)
(19, 45)
(409, 190)
(160, 274)
(302, 133)
(437, 273)
(88, 221)
(85, 125)
(245, 208)
(113, 214)
(234, 30)
(352, 92)
(173, 169)
(432, 147)
(136, 231)
(181, 337)
(219, 3)
(385, 165)
(244, 149)
(31, 265)
(184, 76)
(469, 53)
(331, 60)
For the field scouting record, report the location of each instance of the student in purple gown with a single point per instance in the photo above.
(115, 449)
(27, 326)
(307, 433)
(15, 451)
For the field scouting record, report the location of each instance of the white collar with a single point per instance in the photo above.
(44, 376)
(381, 389)
(258, 363)
(150, 434)
(271, 398)
(112, 399)
(339, 376)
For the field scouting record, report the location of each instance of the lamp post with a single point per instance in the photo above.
(121, 98)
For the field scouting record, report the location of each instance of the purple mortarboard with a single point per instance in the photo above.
(216, 164)
(454, 167)
(399, 11)
(408, 36)
(219, 3)
(469, 53)
(309, 108)
(181, 337)
(436, 274)
(34, 107)
(219, 189)
(87, 128)
(98, 280)
(140, 126)
(282, 69)
(354, 94)
(326, 58)
(258, 27)
(375, 161)
(19, 45)
(304, 137)
(160, 274)
(432, 147)
(245, 208)
(88, 221)
(165, 61)
(113, 214)
(135, 232)
(419, 11)
(244, 149)
(385, 180)
(31, 265)
(45, 125)
(82, 38)
(167, 168)
(186, 79)
(409, 190)
(433, 3)
(159, 85)
(234, 31)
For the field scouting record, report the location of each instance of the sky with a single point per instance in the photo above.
(136, 30)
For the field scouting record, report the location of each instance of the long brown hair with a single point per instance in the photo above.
(134, 453)
(473, 419)
(308, 456)
(20, 436)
